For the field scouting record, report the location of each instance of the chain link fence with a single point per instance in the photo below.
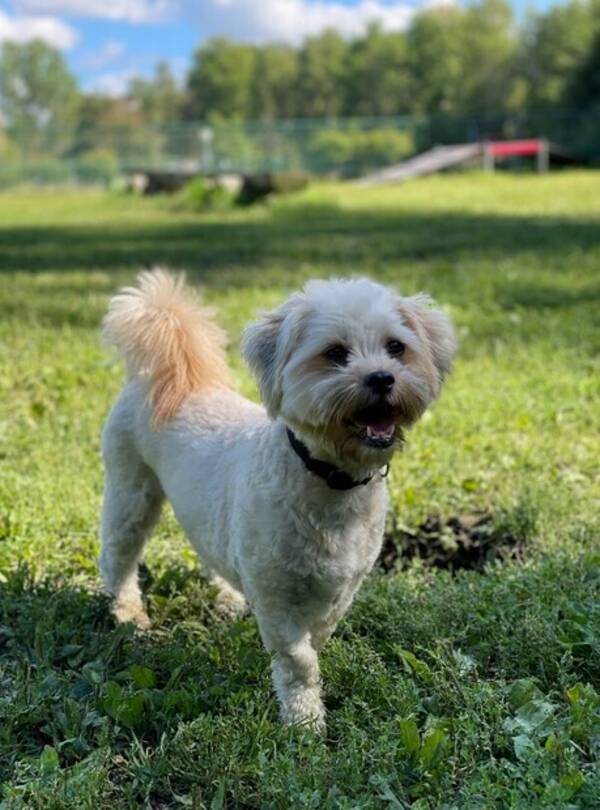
(343, 147)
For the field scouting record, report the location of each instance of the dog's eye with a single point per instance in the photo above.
(337, 354)
(395, 348)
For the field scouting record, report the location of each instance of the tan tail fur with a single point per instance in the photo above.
(165, 334)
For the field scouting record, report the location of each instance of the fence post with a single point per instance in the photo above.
(206, 136)
(488, 158)
(543, 156)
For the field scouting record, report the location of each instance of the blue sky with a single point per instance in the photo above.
(106, 42)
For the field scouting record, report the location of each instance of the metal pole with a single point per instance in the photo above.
(488, 159)
(543, 156)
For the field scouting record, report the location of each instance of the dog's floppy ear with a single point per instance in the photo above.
(266, 347)
(434, 327)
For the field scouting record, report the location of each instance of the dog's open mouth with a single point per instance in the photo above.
(376, 426)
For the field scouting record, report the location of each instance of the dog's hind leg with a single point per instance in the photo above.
(132, 503)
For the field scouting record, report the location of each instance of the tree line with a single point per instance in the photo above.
(451, 60)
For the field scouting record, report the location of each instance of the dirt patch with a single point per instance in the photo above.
(460, 542)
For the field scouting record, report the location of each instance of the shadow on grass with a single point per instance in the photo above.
(342, 240)
(482, 265)
(70, 670)
(543, 296)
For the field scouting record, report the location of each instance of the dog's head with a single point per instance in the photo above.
(350, 364)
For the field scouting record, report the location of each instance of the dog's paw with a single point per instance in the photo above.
(305, 708)
(228, 602)
(132, 612)
(231, 605)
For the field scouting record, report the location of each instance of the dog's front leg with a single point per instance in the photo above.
(297, 683)
(295, 668)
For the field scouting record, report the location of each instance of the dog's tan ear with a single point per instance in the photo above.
(267, 345)
(434, 327)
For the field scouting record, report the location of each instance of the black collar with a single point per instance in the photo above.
(333, 477)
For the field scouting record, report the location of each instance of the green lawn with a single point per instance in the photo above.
(474, 690)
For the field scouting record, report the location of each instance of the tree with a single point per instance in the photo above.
(462, 58)
(159, 98)
(435, 59)
(584, 89)
(272, 91)
(555, 45)
(220, 80)
(39, 97)
(115, 125)
(377, 77)
(321, 75)
(489, 44)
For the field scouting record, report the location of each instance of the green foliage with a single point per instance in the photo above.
(39, 97)
(201, 194)
(489, 47)
(457, 73)
(159, 97)
(378, 82)
(220, 80)
(460, 60)
(39, 171)
(231, 146)
(436, 59)
(97, 166)
(275, 71)
(322, 65)
(584, 88)
(8, 150)
(353, 151)
(288, 182)
(558, 43)
(472, 691)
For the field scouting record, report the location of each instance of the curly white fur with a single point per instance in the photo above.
(268, 530)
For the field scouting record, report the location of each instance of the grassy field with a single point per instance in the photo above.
(473, 689)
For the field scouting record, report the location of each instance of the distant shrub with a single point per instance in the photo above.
(8, 150)
(354, 151)
(48, 171)
(10, 174)
(286, 182)
(202, 194)
(97, 166)
(42, 171)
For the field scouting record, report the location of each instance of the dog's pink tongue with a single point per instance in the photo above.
(382, 429)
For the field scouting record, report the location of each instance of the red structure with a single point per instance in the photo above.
(531, 147)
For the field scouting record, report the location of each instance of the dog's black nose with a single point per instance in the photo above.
(380, 381)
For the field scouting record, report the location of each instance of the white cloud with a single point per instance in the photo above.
(23, 28)
(110, 52)
(112, 84)
(249, 20)
(293, 20)
(133, 11)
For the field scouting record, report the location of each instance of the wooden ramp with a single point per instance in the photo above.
(434, 160)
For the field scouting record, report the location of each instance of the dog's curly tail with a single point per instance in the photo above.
(165, 335)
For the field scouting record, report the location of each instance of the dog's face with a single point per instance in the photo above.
(350, 363)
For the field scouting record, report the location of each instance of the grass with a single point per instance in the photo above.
(467, 691)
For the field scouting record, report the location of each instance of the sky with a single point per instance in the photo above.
(106, 42)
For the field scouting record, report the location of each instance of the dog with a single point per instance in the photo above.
(285, 504)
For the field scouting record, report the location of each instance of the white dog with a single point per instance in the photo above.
(285, 506)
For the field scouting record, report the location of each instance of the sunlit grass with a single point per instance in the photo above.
(515, 260)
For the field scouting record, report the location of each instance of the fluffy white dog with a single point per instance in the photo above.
(285, 504)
